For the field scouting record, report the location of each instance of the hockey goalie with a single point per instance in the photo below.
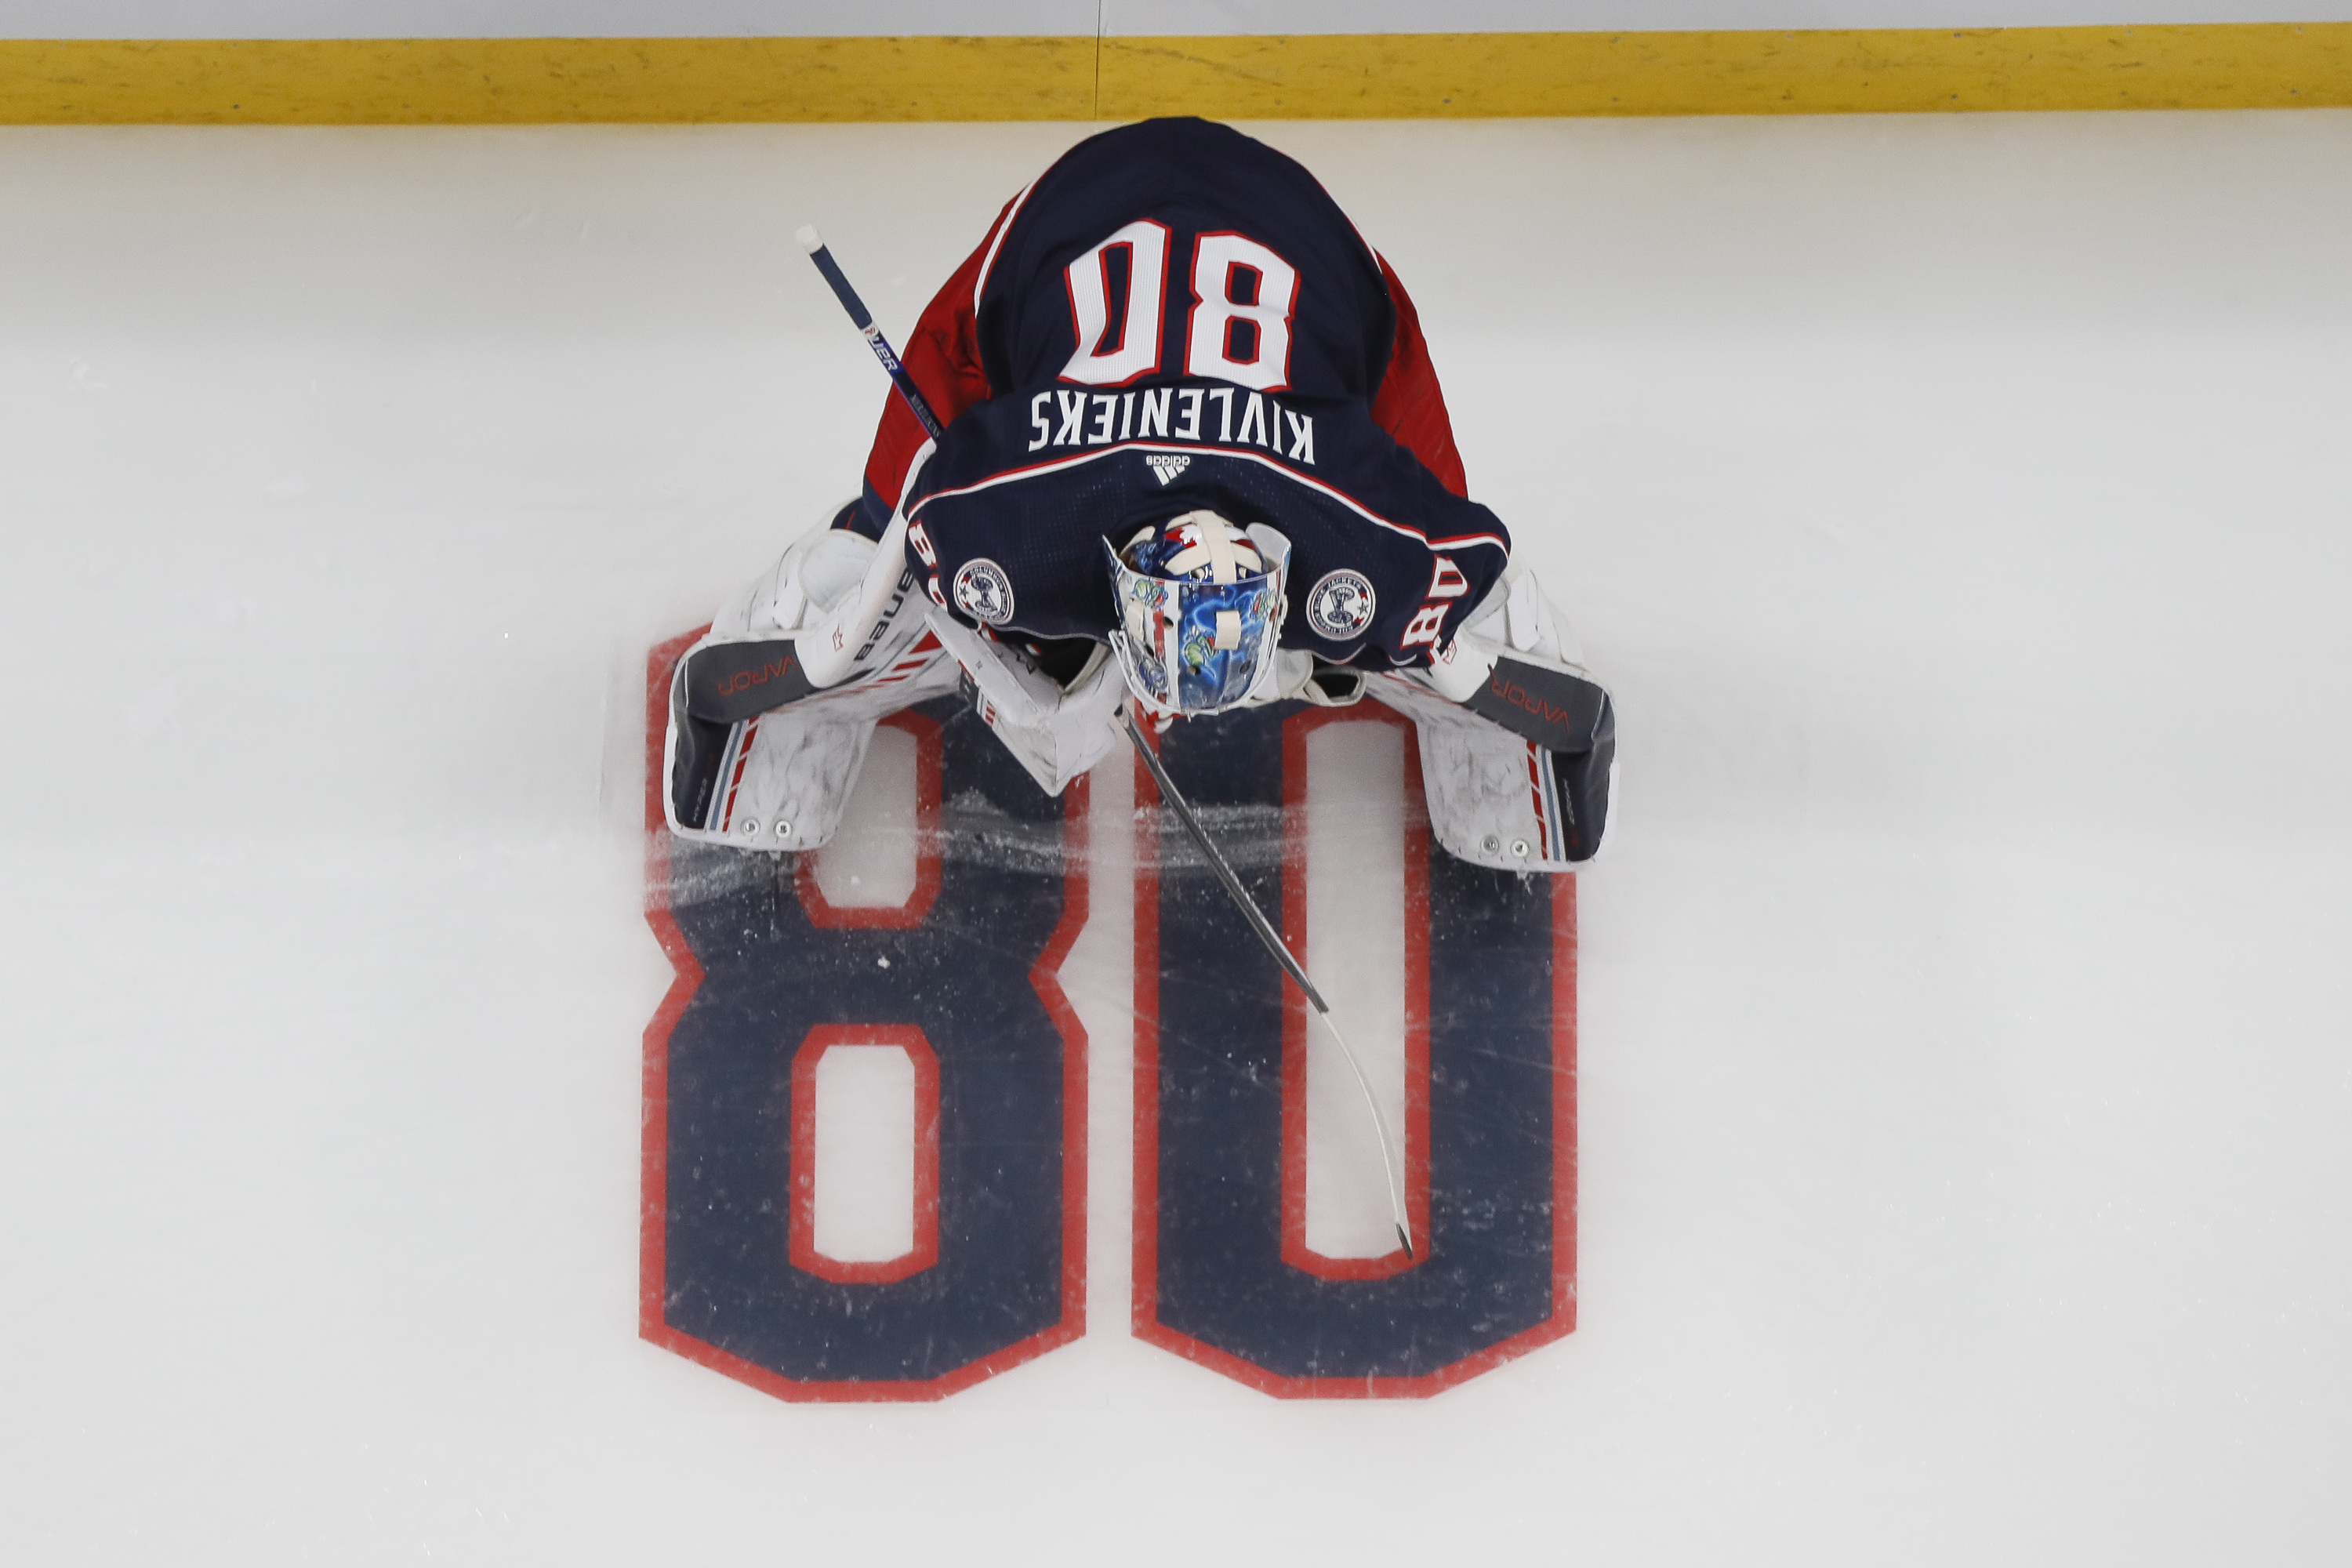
(1193, 456)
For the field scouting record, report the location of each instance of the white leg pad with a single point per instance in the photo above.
(1491, 800)
(786, 774)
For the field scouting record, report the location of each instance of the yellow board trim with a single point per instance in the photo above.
(510, 81)
(1908, 71)
(538, 81)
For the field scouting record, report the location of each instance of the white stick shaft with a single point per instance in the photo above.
(1379, 1126)
(1265, 932)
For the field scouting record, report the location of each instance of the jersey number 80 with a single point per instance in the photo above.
(1238, 329)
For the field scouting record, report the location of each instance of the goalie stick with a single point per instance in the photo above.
(1281, 951)
(811, 242)
(860, 318)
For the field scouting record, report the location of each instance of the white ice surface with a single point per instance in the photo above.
(862, 1197)
(873, 859)
(1353, 856)
(1959, 506)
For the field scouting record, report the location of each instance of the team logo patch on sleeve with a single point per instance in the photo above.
(1340, 606)
(984, 592)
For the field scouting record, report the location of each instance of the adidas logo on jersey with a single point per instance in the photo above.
(1166, 466)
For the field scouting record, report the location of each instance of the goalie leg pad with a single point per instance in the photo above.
(780, 779)
(1518, 741)
(769, 714)
(1498, 799)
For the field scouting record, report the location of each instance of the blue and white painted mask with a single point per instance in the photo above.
(1200, 607)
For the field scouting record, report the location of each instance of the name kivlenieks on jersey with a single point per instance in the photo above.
(1177, 318)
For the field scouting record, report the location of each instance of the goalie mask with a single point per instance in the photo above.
(1200, 604)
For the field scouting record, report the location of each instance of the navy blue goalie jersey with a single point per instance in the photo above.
(1175, 318)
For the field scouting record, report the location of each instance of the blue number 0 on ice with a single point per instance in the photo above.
(1223, 1275)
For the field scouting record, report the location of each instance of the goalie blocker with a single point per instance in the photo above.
(771, 713)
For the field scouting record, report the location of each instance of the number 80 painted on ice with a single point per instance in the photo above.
(769, 976)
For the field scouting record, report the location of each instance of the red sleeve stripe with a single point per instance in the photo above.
(1410, 405)
(995, 239)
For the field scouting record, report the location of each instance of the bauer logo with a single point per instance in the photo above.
(983, 592)
(1340, 604)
